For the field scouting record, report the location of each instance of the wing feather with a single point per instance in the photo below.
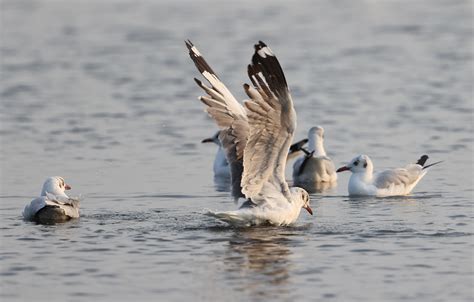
(272, 121)
(228, 114)
(396, 177)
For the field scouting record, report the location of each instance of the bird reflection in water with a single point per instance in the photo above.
(221, 184)
(259, 257)
(317, 187)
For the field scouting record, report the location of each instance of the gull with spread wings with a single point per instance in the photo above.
(256, 139)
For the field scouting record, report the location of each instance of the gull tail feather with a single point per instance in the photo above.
(230, 217)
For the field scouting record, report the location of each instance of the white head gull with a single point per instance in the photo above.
(256, 138)
(221, 165)
(53, 206)
(394, 182)
(315, 166)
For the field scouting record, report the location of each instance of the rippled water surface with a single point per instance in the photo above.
(101, 92)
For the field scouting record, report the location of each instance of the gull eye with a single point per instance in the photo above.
(356, 163)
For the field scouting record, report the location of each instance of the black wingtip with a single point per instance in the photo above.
(298, 145)
(189, 44)
(431, 165)
(259, 45)
(422, 160)
(199, 82)
(265, 62)
(305, 161)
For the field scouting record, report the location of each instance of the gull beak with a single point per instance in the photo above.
(207, 140)
(307, 208)
(342, 169)
(67, 187)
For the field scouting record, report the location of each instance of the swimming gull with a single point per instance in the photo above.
(394, 182)
(53, 206)
(315, 166)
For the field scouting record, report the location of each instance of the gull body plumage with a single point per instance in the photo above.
(53, 206)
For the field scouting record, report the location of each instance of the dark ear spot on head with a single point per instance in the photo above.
(365, 165)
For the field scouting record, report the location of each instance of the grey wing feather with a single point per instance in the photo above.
(272, 122)
(233, 140)
(229, 115)
(395, 177)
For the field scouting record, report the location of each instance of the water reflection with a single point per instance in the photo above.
(317, 187)
(260, 258)
(375, 199)
(222, 184)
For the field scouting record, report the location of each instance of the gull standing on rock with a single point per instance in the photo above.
(257, 138)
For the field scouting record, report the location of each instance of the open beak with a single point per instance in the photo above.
(342, 169)
(207, 140)
(67, 187)
(307, 208)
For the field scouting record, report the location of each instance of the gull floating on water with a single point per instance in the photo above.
(53, 206)
(259, 136)
(315, 166)
(394, 182)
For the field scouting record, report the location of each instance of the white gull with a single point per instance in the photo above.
(393, 182)
(53, 205)
(257, 138)
(315, 166)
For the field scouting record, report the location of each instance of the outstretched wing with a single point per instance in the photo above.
(229, 115)
(272, 121)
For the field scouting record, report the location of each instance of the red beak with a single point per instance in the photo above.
(67, 187)
(309, 210)
(342, 169)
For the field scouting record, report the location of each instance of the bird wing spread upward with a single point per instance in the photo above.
(229, 115)
(272, 121)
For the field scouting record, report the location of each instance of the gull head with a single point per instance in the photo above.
(55, 185)
(359, 164)
(214, 139)
(302, 196)
(316, 131)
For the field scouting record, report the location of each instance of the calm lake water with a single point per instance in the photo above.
(102, 93)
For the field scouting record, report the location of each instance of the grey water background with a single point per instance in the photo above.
(101, 92)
